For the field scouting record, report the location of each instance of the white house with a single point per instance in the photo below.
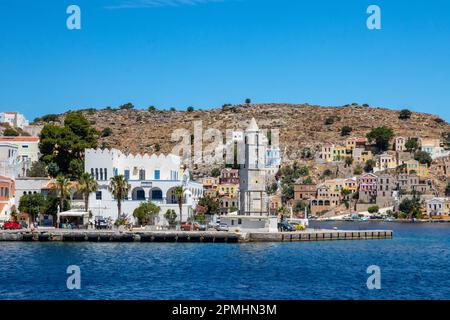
(433, 147)
(152, 178)
(438, 207)
(27, 151)
(14, 119)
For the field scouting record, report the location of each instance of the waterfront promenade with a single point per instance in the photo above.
(190, 236)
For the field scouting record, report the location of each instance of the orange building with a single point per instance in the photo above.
(7, 194)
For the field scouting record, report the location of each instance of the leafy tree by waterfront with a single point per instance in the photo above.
(381, 136)
(373, 209)
(179, 196)
(210, 204)
(86, 185)
(65, 145)
(119, 188)
(146, 213)
(33, 204)
(423, 157)
(411, 207)
(62, 187)
(171, 217)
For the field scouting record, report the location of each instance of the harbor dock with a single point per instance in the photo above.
(66, 235)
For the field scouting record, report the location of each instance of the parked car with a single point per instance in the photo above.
(12, 225)
(195, 226)
(285, 226)
(23, 224)
(297, 226)
(101, 223)
(222, 227)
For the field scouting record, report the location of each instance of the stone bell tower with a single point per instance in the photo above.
(252, 181)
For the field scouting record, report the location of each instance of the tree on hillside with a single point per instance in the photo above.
(106, 132)
(248, 101)
(10, 132)
(215, 172)
(65, 145)
(346, 130)
(126, 106)
(447, 190)
(190, 109)
(423, 157)
(405, 114)
(381, 136)
(370, 164)
(411, 145)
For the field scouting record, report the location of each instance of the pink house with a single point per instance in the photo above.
(368, 183)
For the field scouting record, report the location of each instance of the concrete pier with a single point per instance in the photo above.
(189, 236)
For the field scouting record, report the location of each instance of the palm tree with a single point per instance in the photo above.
(179, 195)
(119, 187)
(87, 185)
(62, 185)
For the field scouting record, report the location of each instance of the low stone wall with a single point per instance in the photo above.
(190, 236)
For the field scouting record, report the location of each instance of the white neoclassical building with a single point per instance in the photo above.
(152, 178)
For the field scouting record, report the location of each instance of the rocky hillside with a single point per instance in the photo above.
(300, 126)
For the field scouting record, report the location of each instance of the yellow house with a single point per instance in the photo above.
(413, 166)
(351, 185)
(339, 153)
(361, 155)
(228, 189)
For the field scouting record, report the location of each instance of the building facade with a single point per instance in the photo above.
(252, 182)
(152, 178)
(14, 119)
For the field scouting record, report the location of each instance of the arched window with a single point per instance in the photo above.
(141, 174)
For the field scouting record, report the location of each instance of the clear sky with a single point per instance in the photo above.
(204, 53)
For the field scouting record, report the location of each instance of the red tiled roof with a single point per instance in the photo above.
(19, 139)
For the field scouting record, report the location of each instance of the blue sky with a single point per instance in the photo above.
(204, 53)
